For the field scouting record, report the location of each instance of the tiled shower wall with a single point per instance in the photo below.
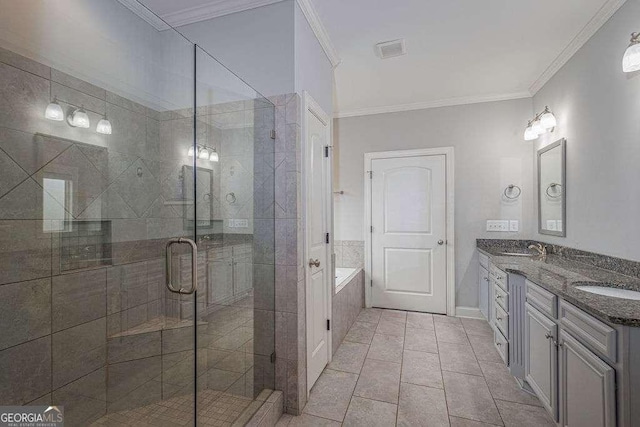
(60, 308)
(291, 373)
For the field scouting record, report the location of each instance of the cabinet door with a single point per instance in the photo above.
(220, 280)
(483, 286)
(541, 358)
(587, 386)
(242, 275)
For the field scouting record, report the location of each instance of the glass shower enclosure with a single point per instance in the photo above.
(136, 221)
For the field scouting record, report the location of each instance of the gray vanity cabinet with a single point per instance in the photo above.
(483, 285)
(541, 358)
(230, 273)
(587, 386)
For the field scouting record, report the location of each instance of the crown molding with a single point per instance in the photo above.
(319, 30)
(144, 13)
(450, 102)
(600, 18)
(212, 10)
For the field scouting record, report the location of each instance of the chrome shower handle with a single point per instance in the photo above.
(194, 265)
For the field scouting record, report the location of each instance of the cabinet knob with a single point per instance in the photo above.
(499, 318)
(548, 336)
(441, 242)
(498, 296)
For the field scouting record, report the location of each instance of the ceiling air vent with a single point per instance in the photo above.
(391, 49)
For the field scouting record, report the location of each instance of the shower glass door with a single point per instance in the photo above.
(121, 142)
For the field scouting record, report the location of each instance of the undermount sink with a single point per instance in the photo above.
(610, 292)
(516, 254)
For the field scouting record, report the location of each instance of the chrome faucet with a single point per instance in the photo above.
(540, 248)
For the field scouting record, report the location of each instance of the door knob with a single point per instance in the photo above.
(441, 242)
(313, 263)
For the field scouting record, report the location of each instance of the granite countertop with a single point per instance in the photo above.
(560, 275)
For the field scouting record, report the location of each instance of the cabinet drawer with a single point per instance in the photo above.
(502, 345)
(484, 260)
(597, 335)
(499, 277)
(501, 320)
(542, 299)
(502, 298)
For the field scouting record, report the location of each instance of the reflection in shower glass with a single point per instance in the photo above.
(86, 215)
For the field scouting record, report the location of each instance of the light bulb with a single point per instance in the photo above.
(631, 58)
(548, 120)
(204, 154)
(54, 111)
(529, 134)
(538, 128)
(104, 126)
(214, 156)
(79, 119)
(191, 151)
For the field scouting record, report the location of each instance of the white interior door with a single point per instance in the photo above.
(408, 238)
(318, 271)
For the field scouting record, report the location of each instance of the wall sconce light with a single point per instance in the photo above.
(631, 59)
(54, 111)
(214, 155)
(79, 119)
(542, 123)
(191, 151)
(104, 126)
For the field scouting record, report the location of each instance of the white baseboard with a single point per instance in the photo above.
(470, 312)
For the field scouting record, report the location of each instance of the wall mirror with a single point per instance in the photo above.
(552, 189)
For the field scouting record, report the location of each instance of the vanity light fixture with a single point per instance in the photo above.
(79, 119)
(631, 59)
(214, 155)
(529, 134)
(54, 111)
(104, 126)
(542, 123)
(203, 153)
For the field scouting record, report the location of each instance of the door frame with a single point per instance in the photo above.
(312, 107)
(448, 152)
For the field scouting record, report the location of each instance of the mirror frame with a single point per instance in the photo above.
(562, 144)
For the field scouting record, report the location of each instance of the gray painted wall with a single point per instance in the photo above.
(489, 154)
(313, 70)
(257, 44)
(598, 111)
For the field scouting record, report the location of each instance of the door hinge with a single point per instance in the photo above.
(273, 134)
(371, 229)
(273, 357)
(328, 324)
(371, 283)
(326, 151)
(326, 238)
(370, 174)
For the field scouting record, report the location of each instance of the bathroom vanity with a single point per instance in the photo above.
(578, 351)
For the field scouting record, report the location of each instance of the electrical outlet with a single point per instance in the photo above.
(514, 225)
(498, 225)
(242, 223)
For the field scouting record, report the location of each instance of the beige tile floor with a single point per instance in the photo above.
(414, 369)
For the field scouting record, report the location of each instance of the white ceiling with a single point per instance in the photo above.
(459, 51)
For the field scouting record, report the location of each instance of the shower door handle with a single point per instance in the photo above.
(194, 266)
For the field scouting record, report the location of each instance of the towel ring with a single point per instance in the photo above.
(230, 198)
(554, 185)
(510, 189)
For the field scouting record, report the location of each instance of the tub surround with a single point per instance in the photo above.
(347, 304)
(349, 253)
(560, 271)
